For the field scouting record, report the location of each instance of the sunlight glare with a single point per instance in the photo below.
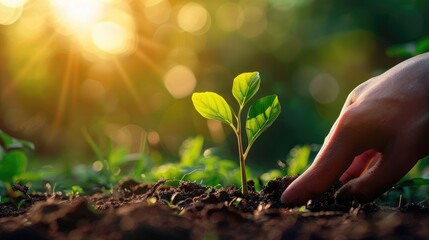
(77, 15)
(9, 13)
(111, 37)
(13, 3)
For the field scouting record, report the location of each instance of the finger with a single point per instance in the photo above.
(359, 165)
(337, 153)
(379, 178)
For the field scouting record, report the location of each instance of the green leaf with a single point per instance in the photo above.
(12, 165)
(270, 175)
(190, 150)
(77, 189)
(261, 115)
(422, 46)
(6, 139)
(413, 182)
(212, 106)
(1, 152)
(13, 143)
(299, 160)
(245, 87)
(402, 50)
(117, 157)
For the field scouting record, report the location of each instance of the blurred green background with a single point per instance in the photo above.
(124, 70)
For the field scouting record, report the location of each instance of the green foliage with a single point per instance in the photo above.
(299, 160)
(245, 87)
(261, 115)
(13, 157)
(409, 49)
(115, 161)
(193, 166)
(75, 191)
(13, 164)
(191, 150)
(270, 175)
(412, 183)
(212, 106)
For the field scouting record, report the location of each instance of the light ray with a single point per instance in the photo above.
(124, 76)
(150, 63)
(149, 43)
(9, 88)
(59, 114)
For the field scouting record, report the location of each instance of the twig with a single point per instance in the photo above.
(23, 189)
(154, 188)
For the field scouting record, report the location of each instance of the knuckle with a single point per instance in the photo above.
(349, 118)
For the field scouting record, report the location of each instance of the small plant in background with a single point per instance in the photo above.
(194, 165)
(74, 192)
(260, 116)
(112, 162)
(13, 159)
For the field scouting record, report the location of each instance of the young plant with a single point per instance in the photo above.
(13, 158)
(260, 116)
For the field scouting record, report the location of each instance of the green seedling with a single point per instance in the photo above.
(13, 161)
(262, 113)
(74, 192)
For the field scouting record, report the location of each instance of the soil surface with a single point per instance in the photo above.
(191, 211)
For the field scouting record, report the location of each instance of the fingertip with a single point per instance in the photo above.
(290, 196)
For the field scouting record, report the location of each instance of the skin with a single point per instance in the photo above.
(380, 134)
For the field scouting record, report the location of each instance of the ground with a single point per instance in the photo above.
(191, 211)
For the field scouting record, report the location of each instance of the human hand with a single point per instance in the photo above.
(380, 134)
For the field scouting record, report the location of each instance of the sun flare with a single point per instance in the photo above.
(77, 15)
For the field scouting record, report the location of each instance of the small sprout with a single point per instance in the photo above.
(20, 204)
(236, 201)
(262, 113)
(74, 192)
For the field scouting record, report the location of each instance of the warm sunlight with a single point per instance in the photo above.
(77, 15)
(13, 3)
(10, 11)
(111, 37)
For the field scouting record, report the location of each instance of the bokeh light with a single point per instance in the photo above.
(10, 11)
(216, 130)
(229, 16)
(153, 138)
(157, 11)
(111, 37)
(180, 81)
(255, 22)
(193, 18)
(324, 88)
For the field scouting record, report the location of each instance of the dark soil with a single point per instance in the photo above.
(192, 211)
